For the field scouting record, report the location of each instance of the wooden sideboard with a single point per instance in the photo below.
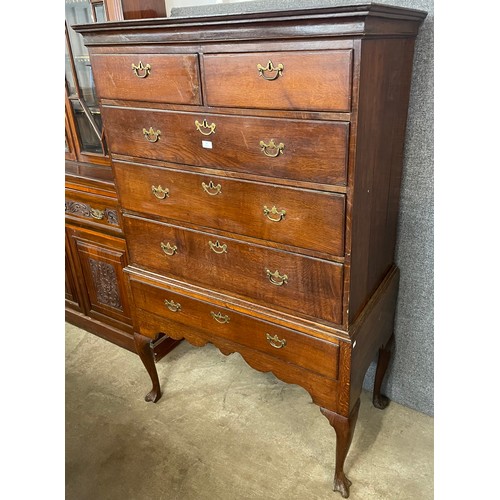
(258, 162)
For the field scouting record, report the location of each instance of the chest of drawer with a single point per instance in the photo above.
(265, 275)
(297, 217)
(276, 80)
(177, 309)
(167, 78)
(264, 146)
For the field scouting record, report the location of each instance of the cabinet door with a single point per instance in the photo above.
(99, 262)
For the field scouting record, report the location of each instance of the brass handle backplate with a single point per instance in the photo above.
(275, 341)
(159, 192)
(217, 247)
(274, 214)
(276, 278)
(140, 70)
(278, 70)
(168, 249)
(97, 214)
(272, 150)
(151, 135)
(211, 188)
(219, 317)
(204, 125)
(173, 306)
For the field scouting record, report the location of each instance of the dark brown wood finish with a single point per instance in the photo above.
(210, 319)
(241, 268)
(230, 80)
(301, 218)
(235, 143)
(344, 428)
(303, 113)
(170, 78)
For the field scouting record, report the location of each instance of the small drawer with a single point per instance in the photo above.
(306, 150)
(167, 78)
(92, 208)
(301, 285)
(291, 346)
(308, 80)
(285, 215)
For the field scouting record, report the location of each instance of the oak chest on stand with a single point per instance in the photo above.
(258, 163)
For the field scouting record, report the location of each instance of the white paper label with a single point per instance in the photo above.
(207, 144)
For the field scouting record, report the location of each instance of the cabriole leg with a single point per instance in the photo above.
(145, 351)
(344, 428)
(384, 356)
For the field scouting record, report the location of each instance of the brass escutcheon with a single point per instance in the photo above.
(276, 278)
(96, 214)
(151, 135)
(211, 188)
(140, 70)
(159, 192)
(272, 150)
(271, 68)
(219, 317)
(173, 306)
(168, 249)
(217, 247)
(271, 212)
(205, 125)
(275, 341)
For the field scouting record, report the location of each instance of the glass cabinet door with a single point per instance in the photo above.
(79, 79)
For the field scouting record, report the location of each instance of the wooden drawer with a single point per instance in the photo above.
(313, 151)
(301, 218)
(303, 350)
(92, 208)
(299, 284)
(171, 78)
(245, 80)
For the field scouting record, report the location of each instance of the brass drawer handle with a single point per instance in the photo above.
(272, 150)
(276, 278)
(173, 306)
(271, 212)
(151, 135)
(159, 192)
(140, 70)
(96, 214)
(168, 249)
(217, 247)
(271, 68)
(204, 124)
(219, 317)
(275, 341)
(211, 188)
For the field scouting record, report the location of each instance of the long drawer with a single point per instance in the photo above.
(299, 284)
(309, 352)
(307, 150)
(278, 80)
(168, 78)
(297, 217)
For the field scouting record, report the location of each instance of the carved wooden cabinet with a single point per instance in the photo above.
(97, 294)
(258, 163)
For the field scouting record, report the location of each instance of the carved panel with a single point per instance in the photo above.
(106, 283)
(84, 210)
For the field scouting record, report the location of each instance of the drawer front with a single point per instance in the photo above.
(168, 78)
(309, 80)
(302, 285)
(314, 151)
(298, 217)
(294, 347)
(92, 208)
